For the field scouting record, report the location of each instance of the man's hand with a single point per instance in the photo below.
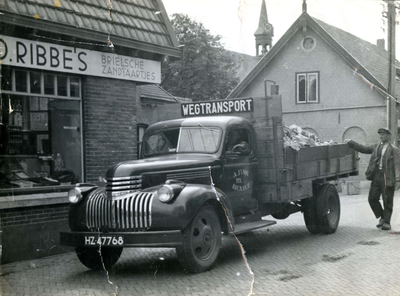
(397, 185)
(346, 141)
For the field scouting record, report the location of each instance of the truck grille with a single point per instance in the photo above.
(124, 185)
(130, 214)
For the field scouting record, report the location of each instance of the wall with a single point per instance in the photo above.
(30, 226)
(109, 124)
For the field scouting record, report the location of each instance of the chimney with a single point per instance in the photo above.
(380, 43)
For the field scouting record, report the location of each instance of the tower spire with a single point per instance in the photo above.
(264, 32)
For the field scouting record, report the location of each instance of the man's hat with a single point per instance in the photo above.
(383, 130)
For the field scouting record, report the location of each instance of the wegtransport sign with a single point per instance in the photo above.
(217, 107)
(46, 56)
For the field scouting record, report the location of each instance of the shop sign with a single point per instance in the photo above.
(46, 56)
(217, 107)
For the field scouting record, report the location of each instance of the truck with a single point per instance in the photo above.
(218, 168)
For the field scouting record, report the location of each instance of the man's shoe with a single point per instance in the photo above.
(381, 222)
(386, 226)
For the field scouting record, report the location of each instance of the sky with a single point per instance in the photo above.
(237, 20)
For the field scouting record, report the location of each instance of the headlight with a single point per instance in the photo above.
(165, 193)
(75, 195)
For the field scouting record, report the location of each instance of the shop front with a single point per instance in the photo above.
(68, 107)
(41, 132)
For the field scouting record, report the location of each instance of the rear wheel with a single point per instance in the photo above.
(328, 209)
(201, 241)
(310, 215)
(90, 257)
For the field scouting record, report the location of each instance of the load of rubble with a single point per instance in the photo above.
(295, 137)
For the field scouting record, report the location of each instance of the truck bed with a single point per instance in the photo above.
(285, 174)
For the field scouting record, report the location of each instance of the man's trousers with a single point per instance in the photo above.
(378, 188)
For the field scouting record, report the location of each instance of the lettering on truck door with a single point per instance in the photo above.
(240, 169)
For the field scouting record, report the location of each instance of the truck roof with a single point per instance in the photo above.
(210, 121)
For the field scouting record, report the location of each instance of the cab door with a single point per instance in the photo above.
(239, 169)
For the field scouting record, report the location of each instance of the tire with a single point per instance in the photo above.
(90, 257)
(310, 215)
(201, 241)
(328, 209)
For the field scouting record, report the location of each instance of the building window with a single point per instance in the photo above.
(40, 131)
(308, 43)
(307, 87)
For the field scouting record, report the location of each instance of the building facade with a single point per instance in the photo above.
(70, 74)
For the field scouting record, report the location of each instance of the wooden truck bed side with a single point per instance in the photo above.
(285, 174)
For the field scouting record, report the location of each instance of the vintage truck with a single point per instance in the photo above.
(199, 177)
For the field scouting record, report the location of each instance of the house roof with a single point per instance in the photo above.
(370, 60)
(139, 24)
(246, 63)
(156, 92)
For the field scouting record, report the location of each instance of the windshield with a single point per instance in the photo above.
(199, 139)
(185, 139)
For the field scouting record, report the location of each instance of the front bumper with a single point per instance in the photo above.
(156, 239)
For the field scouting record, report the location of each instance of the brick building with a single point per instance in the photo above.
(315, 66)
(71, 73)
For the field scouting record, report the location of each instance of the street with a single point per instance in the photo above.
(358, 259)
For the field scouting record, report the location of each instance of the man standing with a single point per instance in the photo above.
(384, 172)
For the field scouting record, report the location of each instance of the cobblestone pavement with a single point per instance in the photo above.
(358, 259)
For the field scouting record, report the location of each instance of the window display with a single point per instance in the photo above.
(41, 142)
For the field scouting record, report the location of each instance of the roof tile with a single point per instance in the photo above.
(31, 9)
(116, 6)
(61, 16)
(132, 33)
(78, 21)
(118, 30)
(66, 5)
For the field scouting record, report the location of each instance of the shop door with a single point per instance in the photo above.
(65, 135)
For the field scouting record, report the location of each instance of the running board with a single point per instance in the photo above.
(249, 226)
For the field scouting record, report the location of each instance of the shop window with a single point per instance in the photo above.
(307, 87)
(62, 85)
(35, 84)
(21, 77)
(74, 87)
(40, 131)
(48, 84)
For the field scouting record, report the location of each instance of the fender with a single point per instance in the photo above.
(77, 212)
(178, 213)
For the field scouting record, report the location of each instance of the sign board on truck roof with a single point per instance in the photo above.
(217, 107)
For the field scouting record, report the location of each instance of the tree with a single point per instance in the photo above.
(206, 70)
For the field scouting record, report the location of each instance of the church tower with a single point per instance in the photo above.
(264, 32)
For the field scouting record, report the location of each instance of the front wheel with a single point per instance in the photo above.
(90, 257)
(201, 241)
(328, 209)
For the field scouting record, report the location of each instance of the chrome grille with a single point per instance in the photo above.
(189, 175)
(131, 213)
(123, 185)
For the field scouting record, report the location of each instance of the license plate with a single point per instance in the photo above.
(106, 240)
